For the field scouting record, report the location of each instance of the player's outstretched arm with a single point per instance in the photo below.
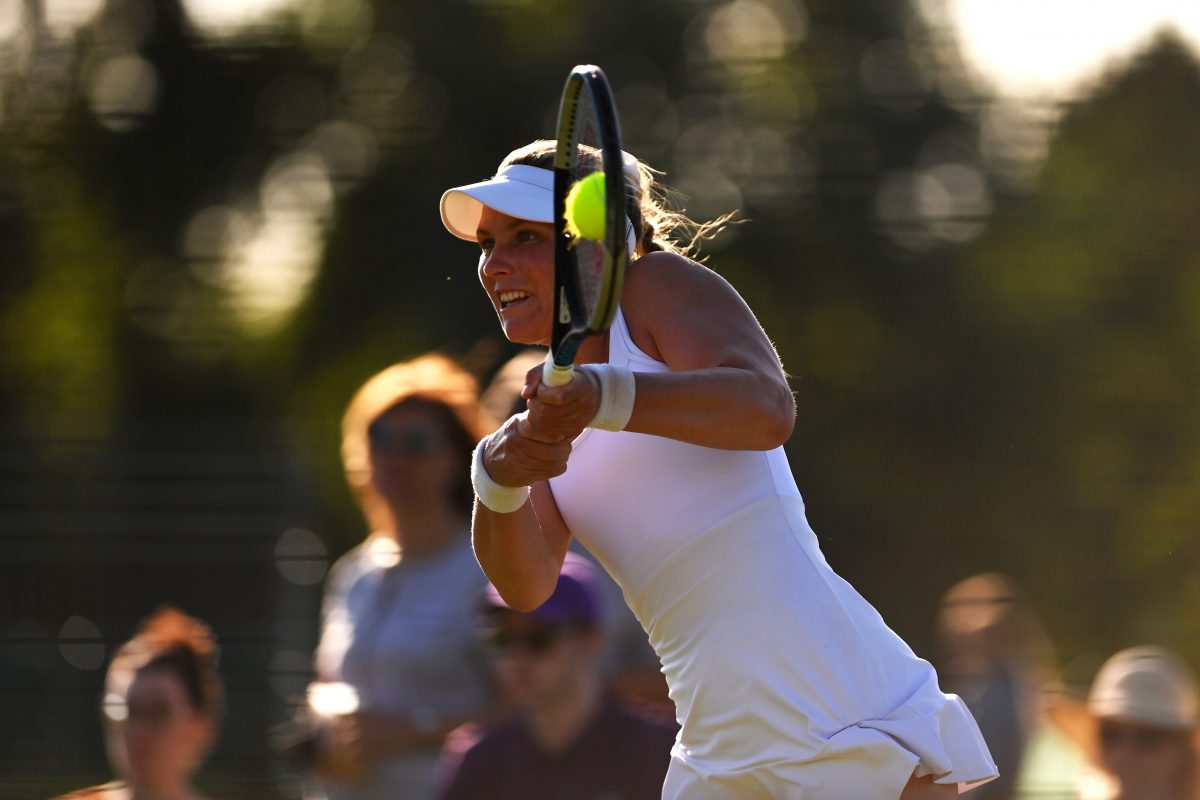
(727, 388)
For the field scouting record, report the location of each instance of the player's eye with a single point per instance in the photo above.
(527, 236)
(487, 245)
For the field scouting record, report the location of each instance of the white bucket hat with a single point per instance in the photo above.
(1147, 686)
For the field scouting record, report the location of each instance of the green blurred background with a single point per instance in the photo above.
(217, 218)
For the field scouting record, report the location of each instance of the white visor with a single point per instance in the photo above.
(518, 190)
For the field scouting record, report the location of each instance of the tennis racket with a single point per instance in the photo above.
(587, 273)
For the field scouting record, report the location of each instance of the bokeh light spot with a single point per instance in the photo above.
(219, 18)
(81, 644)
(332, 699)
(63, 17)
(123, 92)
(753, 30)
(114, 707)
(301, 557)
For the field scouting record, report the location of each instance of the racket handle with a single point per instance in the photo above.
(554, 375)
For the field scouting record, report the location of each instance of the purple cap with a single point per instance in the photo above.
(575, 600)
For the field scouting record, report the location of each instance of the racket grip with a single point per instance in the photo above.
(554, 375)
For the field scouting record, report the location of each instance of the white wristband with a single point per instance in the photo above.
(617, 390)
(501, 499)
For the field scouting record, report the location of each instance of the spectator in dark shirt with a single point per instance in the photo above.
(569, 736)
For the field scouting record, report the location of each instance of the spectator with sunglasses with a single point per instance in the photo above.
(570, 738)
(398, 635)
(1139, 728)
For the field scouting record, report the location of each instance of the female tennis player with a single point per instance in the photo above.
(664, 457)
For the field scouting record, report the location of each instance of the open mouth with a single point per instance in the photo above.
(510, 298)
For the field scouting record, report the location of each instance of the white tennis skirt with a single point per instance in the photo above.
(787, 683)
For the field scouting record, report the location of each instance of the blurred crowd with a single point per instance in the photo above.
(427, 685)
(1133, 734)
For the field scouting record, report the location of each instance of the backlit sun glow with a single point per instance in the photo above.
(1054, 47)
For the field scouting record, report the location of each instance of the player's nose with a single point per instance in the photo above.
(494, 264)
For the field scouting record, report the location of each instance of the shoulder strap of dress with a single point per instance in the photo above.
(624, 352)
(620, 341)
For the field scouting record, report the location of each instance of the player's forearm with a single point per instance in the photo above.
(514, 555)
(723, 407)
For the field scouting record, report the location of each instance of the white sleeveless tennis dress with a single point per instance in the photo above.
(787, 683)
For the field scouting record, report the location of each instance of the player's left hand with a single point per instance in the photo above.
(558, 413)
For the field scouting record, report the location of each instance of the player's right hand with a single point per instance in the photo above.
(516, 455)
(560, 412)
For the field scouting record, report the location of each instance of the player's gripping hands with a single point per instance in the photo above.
(524, 551)
(534, 445)
(557, 413)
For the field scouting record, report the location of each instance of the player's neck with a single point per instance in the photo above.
(555, 727)
(594, 350)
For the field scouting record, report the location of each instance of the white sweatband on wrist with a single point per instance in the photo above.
(617, 390)
(501, 499)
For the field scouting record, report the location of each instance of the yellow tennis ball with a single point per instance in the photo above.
(584, 208)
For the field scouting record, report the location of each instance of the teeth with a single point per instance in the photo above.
(508, 297)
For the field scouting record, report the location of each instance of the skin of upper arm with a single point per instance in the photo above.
(538, 544)
(554, 528)
(689, 317)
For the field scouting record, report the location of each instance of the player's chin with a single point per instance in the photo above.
(520, 332)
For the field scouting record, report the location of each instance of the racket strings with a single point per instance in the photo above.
(587, 158)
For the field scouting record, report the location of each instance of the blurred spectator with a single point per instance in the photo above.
(399, 664)
(627, 660)
(163, 701)
(502, 397)
(996, 656)
(1138, 728)
(570, 737)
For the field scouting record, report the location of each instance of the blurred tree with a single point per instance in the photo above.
(1082, 361)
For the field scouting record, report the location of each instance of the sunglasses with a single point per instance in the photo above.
(409, 440)
(1135, 737)
(536, 641)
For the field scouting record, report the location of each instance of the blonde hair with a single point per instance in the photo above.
(434, 380)
(660, 227)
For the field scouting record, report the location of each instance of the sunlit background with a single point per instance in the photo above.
(971, 234)
(1058, 50)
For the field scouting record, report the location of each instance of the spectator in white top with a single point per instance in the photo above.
(398, 618)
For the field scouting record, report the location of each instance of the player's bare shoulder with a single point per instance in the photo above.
(667, 294)
(663, 265)
(660, 281)
(662, 278)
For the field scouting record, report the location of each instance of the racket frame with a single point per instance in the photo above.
(572, 323)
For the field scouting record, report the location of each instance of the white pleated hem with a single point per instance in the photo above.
(940, 732)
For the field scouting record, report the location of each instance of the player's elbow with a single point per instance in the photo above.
(524, 598)
(779, 428)
(529, 590)
(778, 418)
